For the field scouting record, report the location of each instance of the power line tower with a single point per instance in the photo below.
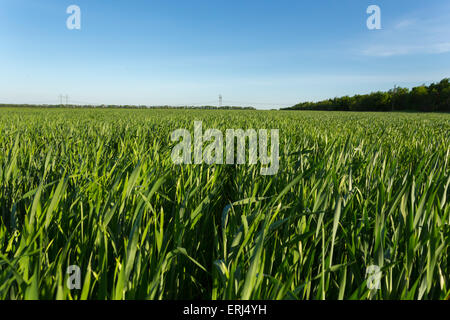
(67, 100)
(394, 91)
(60, 99)
(220, 101)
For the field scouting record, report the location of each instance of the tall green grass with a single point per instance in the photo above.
(98, 189)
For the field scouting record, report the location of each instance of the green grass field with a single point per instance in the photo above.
(98, 189)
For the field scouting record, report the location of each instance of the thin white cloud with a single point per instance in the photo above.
(411, 35)
(396, 50)
(405, 23)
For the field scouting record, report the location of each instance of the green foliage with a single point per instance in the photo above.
(435, 97)
(98, 189)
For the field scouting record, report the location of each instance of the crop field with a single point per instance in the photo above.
(97, 189)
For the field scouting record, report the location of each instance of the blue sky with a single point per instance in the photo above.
(260, 53)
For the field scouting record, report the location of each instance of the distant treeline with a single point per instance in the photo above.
(122, 106)
(432, 98)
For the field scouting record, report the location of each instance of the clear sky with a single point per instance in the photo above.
(262, 53)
